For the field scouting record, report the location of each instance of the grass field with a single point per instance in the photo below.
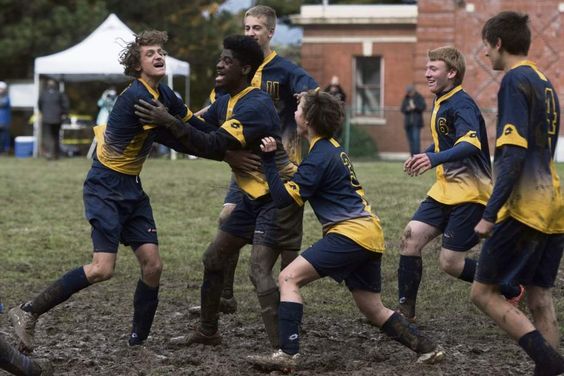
(43, 234)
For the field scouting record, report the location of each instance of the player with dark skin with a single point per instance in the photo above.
(284, 82)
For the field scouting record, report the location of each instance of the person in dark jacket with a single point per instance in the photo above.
(54, 107)
(412, 107)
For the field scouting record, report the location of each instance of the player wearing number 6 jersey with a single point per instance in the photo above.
(352, 244)
(524, 217)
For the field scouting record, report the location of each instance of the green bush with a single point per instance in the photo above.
(361, 145)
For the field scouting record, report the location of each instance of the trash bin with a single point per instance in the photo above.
(24, 146)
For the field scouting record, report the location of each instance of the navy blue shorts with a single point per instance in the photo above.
(456, 222)
(517, 252)
(118, 210)
(342, 259)
(234, 193)
(260, 222)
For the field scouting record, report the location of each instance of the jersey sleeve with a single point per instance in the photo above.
(306, 181)
(513, 125)
(467, 125)
(301, 81)
(250, 123)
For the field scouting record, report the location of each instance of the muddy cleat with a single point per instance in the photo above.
(43, 366)
(24, 325)
(517, 299)
(197, 337)
(277, 361)
(227, 306)
(433, 357)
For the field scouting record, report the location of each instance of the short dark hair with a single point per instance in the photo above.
(246, 50)
(512, 28)
(130, 56)
(323, 112)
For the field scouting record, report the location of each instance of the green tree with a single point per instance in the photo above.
(40, 27)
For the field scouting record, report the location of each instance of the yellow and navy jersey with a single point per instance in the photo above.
(529, 117)
(248, 117)
(282, 79)
(456, 118)
(124, 143)
(326, 179)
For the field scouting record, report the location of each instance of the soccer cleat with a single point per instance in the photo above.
(277, 361)
(44, 366)
(197, 337)
(433, 357)
(226, 305)
(517, 299)
(24, 326)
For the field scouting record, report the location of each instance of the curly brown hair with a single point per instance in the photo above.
(323, 112)
(130, 56)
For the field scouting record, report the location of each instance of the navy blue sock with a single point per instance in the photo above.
(145, 302)
(469, 270)
(15, 362)
(546, 358)
(399, 329)
(289, 321)
(59, 291)
(410, 272)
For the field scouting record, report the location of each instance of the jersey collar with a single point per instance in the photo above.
(257, 78)
(154, 93)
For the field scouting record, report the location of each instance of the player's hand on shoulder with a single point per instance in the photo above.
(268, 145)
(154, 113)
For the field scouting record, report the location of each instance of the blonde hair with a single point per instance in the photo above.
(263, 11)
(452, 58)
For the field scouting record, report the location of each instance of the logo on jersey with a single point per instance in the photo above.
(442, 126)
(472, 134)
(293, 186)
(507, 131)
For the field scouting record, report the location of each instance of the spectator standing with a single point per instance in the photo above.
(336, 90)
(54, 107)
(5, 118)
(412, 107)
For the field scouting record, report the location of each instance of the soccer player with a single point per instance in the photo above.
(524, 217)
(236, 121)
(19, 364)
(454, 204)
(283, 81)
(115, 204)
(352, 243)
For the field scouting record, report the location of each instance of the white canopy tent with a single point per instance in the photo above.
(96, 58)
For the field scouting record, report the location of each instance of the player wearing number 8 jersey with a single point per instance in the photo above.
(523, 219)
(352, 243)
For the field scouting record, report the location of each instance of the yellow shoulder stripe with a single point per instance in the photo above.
(294, 190)
(510, 136)
(235, 129)
(472, 138)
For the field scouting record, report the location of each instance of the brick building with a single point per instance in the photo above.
(376, 50)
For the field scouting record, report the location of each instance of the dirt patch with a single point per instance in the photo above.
(87, 338)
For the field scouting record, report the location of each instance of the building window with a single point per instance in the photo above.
(368, 96)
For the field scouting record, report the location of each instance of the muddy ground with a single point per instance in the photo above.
(83, 338)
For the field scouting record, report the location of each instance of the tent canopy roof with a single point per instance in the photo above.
(98, 55)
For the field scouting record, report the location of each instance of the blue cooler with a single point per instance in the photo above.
(24, 146)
